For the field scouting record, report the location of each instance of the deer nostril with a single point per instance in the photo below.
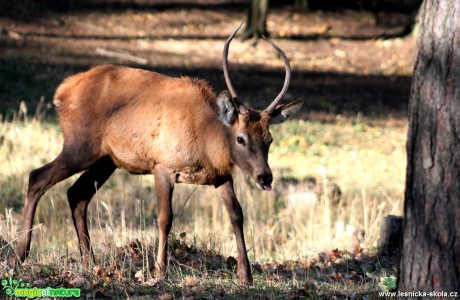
(265, 179)
(270, 178)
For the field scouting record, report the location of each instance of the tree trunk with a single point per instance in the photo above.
(431, 236)
(257, 20)
(303, 4)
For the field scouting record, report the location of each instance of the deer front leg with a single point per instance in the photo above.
(164, 187)
(236, 216)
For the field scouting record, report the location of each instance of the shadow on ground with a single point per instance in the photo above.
(329, 93)
(200, 273)
(36, 53)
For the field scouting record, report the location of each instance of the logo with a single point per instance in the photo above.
(21, 289)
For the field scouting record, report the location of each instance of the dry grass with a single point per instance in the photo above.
(365, 158)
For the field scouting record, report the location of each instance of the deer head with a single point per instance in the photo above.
(249, 132)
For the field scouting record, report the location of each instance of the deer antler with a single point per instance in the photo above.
(225, 61)
(287, 79)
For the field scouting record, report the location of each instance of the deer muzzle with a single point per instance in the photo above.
(264, 181)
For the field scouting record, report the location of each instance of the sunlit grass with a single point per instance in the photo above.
(366, 159)
(357, 155)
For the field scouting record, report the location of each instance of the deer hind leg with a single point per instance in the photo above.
(40, 180)
(79, 196)
(164, 188)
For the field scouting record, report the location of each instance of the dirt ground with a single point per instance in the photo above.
(344, 62)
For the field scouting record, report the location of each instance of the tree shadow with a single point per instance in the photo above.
(28, 76)
(194, 271)
(330, 93)
(385, 24)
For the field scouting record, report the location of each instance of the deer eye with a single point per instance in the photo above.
(240, 140)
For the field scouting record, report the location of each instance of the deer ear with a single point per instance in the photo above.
(227, 111)
(284, 112)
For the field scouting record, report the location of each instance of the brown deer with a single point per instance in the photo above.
(177, 129)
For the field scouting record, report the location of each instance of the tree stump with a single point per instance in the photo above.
(389, 242)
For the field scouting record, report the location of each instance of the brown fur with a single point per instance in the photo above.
(145, 122)
(149, 119)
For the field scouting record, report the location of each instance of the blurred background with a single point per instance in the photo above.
(339, 166)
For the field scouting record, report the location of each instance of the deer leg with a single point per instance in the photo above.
(79, 196)
(164, 187)
(236, 216)
(40, 180)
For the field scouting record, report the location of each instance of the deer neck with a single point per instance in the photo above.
(218, 148)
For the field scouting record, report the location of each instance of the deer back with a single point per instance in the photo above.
(142, 118)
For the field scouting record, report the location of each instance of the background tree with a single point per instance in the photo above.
(302, 3)
(256, 25)
(431, 236)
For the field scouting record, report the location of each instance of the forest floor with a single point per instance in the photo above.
(346, 64)
(343, 62)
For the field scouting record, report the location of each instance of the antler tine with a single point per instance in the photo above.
(287, 79)
(225, 61)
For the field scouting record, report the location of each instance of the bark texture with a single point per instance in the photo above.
(431, 236)
(257, 20)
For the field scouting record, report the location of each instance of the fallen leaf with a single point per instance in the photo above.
(99, 271)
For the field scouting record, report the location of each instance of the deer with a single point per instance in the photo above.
(176, 128)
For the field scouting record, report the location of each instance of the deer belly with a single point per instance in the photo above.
(194, 175)
(133, 166)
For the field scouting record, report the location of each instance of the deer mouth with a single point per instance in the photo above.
(264, 181)
(264, 187)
